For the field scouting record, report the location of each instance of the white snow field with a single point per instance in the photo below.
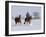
(35, 25)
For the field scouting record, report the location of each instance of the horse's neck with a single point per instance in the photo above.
(19, 17)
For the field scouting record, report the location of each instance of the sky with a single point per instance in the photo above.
(22, 10)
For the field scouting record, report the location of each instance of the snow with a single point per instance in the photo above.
(35, 25)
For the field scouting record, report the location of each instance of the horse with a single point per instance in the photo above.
(28, 19)
(18, 19)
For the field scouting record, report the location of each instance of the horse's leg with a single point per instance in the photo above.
(20, 21)
(16, 22)
(24, 22)
(29, 22)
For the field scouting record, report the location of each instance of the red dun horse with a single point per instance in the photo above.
(18, 19)
(28, 19)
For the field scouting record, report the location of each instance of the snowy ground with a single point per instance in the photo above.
(35, 25)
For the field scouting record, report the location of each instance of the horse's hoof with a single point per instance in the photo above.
(24, 23)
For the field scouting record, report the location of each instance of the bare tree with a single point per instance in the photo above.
(36, 15)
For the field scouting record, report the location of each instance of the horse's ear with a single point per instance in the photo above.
(19, 15)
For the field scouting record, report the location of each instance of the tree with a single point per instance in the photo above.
(36, 15)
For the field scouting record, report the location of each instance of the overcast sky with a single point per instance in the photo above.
(22, 10)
